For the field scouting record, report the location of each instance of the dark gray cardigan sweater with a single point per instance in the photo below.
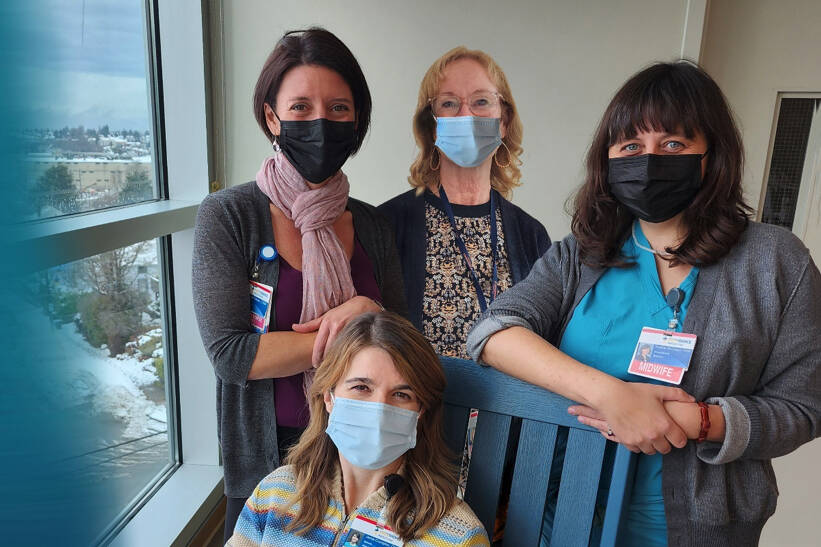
(231, 226)
(757, 314)
(525, 241)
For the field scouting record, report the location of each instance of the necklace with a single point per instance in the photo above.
(662, 254)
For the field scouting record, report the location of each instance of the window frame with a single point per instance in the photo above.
(182, 496)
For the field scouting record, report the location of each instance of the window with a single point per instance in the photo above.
(104, 319)
(99, 117)
(793, 160)
(97, 337)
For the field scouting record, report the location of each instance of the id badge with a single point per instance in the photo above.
(261, 296)
(365, 532)
(662, 355)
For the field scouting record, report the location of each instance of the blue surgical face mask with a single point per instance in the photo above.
(468, 140)
(371, 435)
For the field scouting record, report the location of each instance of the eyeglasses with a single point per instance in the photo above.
(481, 103)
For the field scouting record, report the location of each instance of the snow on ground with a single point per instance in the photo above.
(111, 385)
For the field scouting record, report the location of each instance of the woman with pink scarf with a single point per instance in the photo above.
(311, 257)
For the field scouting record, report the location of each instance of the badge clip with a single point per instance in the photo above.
(267, 253)
(674, 298)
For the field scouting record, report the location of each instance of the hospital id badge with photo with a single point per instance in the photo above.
(662, 355)
(261, 297)
(365, 532)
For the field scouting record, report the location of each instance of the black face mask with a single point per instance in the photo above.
(316, 148)
(654, 187)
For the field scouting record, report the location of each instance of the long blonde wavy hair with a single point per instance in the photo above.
(430, 476)
(502, 179)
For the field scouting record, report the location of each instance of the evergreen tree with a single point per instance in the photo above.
(138, 186)
(56, 188)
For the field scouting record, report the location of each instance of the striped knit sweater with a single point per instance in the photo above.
(260, 524)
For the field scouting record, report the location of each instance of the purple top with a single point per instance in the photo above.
(289, 395)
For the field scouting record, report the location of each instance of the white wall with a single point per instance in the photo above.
(754, 49)
(563, 60)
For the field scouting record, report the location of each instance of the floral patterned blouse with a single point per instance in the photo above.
(450, 306)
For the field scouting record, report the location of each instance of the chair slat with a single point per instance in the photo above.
(537, 444)
(578, 488)
(486, 465)
(499, 399)
(621, 486)
(455, 429)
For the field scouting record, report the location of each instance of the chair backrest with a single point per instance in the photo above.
(500, 398)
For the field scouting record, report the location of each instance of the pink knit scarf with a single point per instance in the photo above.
(326, 271)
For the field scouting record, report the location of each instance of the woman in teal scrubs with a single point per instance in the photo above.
(662, 243)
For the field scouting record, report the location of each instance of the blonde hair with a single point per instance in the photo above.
(422, 174)
(430, 476)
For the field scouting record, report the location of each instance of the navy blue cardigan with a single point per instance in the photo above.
(526, 240)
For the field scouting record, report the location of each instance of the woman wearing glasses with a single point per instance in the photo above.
(460, 241)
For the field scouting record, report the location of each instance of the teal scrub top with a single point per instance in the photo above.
(602, 333)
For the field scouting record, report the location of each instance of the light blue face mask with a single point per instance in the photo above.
(371, 435)
(468, 140)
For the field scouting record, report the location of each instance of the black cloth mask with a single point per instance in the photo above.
(655, 187)
(316, 148)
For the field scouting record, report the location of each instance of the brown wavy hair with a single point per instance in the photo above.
(671, 97)
(430, 476)
(502, 179)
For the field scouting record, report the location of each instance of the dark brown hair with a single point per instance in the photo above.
(313, 46)
(668, 97)
(430, 478)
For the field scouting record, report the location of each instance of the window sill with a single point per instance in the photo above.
(174, 514)
(47, 243)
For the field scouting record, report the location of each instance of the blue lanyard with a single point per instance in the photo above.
(461, 243)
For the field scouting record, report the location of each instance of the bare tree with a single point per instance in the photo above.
(115, 306)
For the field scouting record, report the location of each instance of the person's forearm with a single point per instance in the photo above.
(688, 417)
(525, 355)
(281, 354)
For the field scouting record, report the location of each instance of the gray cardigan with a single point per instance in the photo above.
(757, 314)
(231, 226)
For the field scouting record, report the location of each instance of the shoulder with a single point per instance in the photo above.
(519, 215)
(368, 221)
(359, 207)
(767, 263)
(564, 251)
(278, 484)
(765, 247)
(242, 193)
(758, 237)
(403, 200)
(561, 263)
(234, 202)
(459, 524)
(533, 232)
(260, 521)
(397, 206)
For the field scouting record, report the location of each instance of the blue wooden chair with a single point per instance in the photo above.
(499, 399)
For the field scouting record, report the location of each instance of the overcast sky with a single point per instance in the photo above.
(83, 62)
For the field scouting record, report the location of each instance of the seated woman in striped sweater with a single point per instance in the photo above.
(373, 461)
